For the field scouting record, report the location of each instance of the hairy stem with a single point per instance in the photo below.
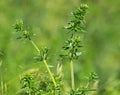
(51, 75)
(72, 74)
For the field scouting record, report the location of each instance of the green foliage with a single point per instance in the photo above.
(39, 84)
(28, 85)
(77, 23)
(43, 54)
(49, 83)
(52, 83)
(19, 27)
(84, 89)
(72, 46)
(100, 50)
(93, 77)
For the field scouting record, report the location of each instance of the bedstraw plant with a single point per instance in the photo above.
(72, 47)
(34, 83)
(41, 56)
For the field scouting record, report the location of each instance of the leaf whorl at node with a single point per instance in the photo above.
(77, 24)
(23, 32)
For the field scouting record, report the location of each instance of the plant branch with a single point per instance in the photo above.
(51, 75)
(48, 69)
(72, 75)
(35, 46)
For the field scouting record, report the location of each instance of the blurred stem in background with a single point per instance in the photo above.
(2, 82)
(72, 75)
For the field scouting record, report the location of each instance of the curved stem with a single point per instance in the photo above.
(50, 72)
(72, 75)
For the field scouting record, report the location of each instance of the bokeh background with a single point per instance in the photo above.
(46, 18)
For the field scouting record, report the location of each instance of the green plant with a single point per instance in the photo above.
(73, 46)
(19, 26)
(3, 85)
(27, 80)
(42, 84)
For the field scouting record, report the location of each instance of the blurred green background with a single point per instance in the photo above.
(46, 18)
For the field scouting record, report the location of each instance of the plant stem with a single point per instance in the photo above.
(72, 75)
(50, 72)
(87, 84)
(2, 87)
(35, 46)
(88, 89)
(29, 92)
(5, 86)
(1, 82)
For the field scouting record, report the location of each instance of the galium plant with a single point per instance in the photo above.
(19, 26)
(3, 85)
(36, 83)
(73, 45)
(52, 84)
(77, 24)
(41, 56)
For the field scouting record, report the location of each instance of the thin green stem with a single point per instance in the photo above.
(51, 75)
(29, 92)
(87, 84)
(2, 87)
(5, 86)
(1, 82)
(72, 75)
(35, 46)
(88, 89)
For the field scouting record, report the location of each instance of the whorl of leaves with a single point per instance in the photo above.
(72, 46)
(77, 23)
(20, 28)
